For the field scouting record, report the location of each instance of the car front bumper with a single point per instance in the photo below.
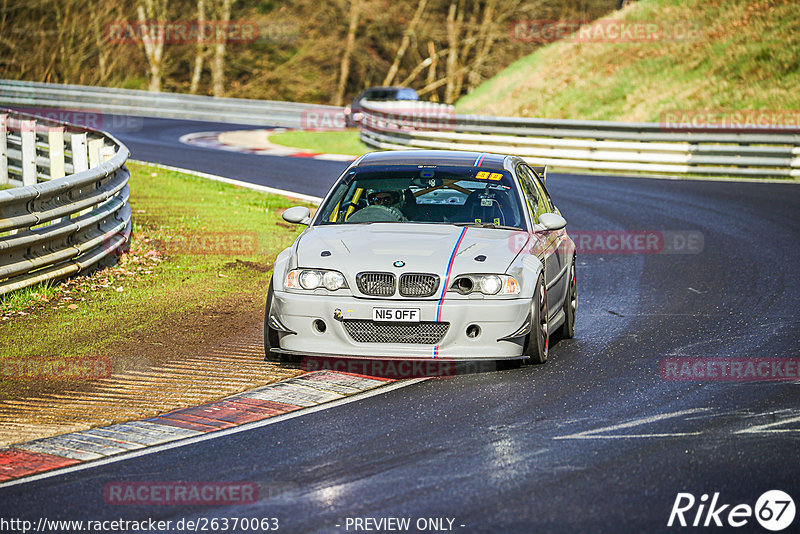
(496, 318)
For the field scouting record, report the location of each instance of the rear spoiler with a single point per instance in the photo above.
(541, 171)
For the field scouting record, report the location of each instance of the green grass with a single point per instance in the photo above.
(742, 55)
(216, 242)
(26, 297)
(344, 142)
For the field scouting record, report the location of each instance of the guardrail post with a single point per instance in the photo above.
(55, 139)
(80, 161)
(3, 150)
(95, 145)
(28, 134)
(106, 153)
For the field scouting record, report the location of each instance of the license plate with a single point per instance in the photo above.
(404, 315)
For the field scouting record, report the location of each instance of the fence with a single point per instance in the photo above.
(593, 145)
(166, 105)
(68, 207)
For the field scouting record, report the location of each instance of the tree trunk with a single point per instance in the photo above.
(200, 50)
(404, 43)
(432, 70)
(452, 55)
(482, 51)
(218, 67)
(153, 11)
(344, 67)
(466, 46)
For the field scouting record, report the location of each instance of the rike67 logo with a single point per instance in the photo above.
(774, 511)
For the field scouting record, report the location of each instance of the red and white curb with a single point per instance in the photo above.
(68, 450)
(212, 140)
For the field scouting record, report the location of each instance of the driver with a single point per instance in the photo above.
(384, 198)
(390, 200)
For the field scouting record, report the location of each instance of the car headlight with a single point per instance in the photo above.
(315, 278)
(488, 284)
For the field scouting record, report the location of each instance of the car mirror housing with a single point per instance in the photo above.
(297, 215)
(550, 222)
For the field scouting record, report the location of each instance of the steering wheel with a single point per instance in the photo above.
(378, 213)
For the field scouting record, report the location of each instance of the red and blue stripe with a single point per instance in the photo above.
(447, 282)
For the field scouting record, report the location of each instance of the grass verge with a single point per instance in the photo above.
(201, 255)
(345, 142)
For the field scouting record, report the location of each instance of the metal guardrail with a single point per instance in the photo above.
(593, 145)
(166, 105)
(70, 209)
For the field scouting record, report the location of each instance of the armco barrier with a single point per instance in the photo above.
(594, 145)
(167, 105)
(70, 208)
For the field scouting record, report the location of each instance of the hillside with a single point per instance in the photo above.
(714, 55)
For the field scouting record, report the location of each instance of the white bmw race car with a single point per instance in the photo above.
(426, 254)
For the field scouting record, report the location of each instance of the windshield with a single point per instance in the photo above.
(424, 194)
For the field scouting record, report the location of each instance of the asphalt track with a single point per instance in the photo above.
(157, 140)
(596, 440)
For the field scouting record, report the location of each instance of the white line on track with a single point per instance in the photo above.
(248, 185)
(596, 433)
(213, 435)
(768, 428)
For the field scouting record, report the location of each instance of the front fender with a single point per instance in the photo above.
(526, 268)
(284, 262)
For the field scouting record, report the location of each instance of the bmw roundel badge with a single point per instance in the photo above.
(399, 263)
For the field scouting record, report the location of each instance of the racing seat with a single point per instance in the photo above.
(489, 206)
(414, 211)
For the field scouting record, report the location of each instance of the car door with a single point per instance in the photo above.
(562, 250)
(543, 244)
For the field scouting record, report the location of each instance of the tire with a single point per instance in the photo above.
(567, 330)
(271, 339)
(538, 340)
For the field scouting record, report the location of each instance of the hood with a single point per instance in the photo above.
(424, 248)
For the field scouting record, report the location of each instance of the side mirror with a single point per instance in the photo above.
(297, 215)
(550, 221)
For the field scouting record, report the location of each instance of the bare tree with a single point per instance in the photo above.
(344, 66)
(151, 13)
(452, 53)
(218, 67)
(434, 57)
(485, 31)
(405, 42)
(200, 51)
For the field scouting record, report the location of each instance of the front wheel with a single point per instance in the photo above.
(537, 342)
(271, 339)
